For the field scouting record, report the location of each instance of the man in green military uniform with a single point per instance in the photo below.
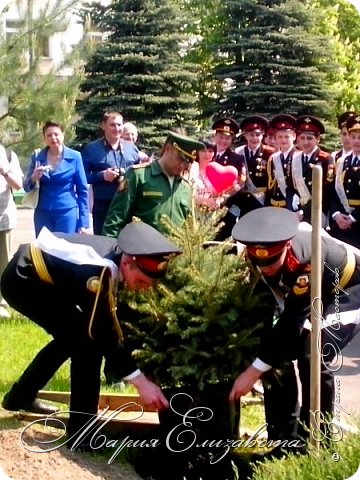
(152, 190)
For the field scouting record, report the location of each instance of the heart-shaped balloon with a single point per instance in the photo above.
(221, 177)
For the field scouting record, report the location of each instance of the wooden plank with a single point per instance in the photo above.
(120, 418)
(111, 400)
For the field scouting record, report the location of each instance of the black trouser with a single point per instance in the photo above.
(99, 212)
(338, 338)
(53, 309)
(350, 236)
(239, 205)
(281, 403)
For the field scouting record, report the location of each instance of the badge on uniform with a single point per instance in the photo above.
(302, 285)
(330, 173)
(93, 284)
(123, 185)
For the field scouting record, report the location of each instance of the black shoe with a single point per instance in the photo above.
(36, 406)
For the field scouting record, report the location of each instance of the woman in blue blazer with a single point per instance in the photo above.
(63, 192)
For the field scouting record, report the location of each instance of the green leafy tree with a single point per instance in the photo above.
(200, 325)
(139, 70)
(269, 62)
(341, 20)
(34, 95)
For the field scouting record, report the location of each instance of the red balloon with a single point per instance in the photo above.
(221, 177)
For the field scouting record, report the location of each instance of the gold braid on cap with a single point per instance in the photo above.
(192, 155)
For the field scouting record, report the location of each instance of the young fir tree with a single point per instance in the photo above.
(199, 326)
(268, 62)
(139, 70)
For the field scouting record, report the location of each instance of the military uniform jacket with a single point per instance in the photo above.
(291, 288)
(229, 157)
(347, 184)
(83, 288)
(301, 173)
(147, 194)
(257, 170)
(279, 191)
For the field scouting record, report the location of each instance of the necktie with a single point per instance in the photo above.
(306, 160)
(282, 158)
(251, 155)
(355, 161)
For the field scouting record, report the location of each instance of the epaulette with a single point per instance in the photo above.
(291, 262)
(267, 151)
(141, 165)
(323, 155)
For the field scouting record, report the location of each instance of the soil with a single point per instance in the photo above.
(19, 463)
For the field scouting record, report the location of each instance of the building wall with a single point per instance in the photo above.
(57, 45)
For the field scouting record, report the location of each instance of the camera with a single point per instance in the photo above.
(47, 168)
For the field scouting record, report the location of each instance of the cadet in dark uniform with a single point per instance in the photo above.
(70, 290)
(279, 192)
(345, 202)
(282, 255)
(255, 155)
(309, 129)
(226, 129)
(151, 190)
(344, 134)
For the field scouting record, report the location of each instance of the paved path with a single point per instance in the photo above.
(348, 375)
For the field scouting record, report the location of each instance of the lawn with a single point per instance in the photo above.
(21, 340)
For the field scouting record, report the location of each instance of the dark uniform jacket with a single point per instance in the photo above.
(229, 157)
(324, 159)
(349, 180)
(340, 288)
(275, 196)
(257, 166)
(247, 199)
(68, 299)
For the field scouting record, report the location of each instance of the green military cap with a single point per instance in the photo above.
(186, 146)
(148, 247)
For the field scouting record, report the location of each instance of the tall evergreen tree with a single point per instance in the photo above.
(140, 70)
(268, 62)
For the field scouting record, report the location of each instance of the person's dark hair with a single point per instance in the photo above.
(109, 114)
(209, 145)
(50, 123)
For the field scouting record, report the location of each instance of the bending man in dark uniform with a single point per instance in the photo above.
(70, 290)
(282, 255)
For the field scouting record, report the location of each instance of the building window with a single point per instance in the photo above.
(42, 45)
(12, 29)
(94, 37)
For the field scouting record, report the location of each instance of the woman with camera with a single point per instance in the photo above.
(58, 173)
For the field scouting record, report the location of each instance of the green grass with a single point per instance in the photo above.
(21, 339)
(338, 462)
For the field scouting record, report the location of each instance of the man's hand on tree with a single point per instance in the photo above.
(245, 383)
(151, 395)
